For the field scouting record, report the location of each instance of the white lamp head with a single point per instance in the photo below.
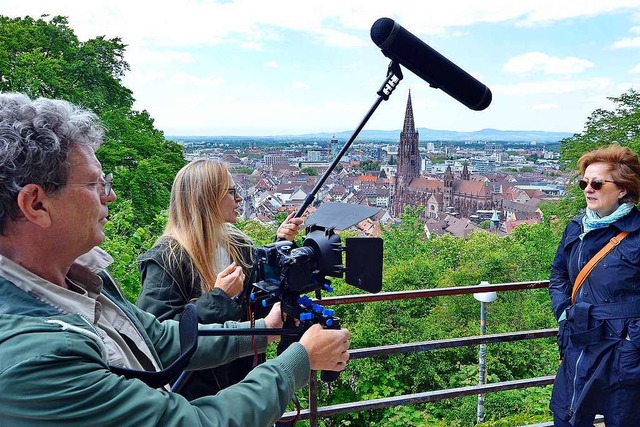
(486, 296)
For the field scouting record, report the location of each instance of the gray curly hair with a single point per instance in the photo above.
(35, 139)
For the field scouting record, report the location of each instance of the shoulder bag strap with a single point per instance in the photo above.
(593, 261)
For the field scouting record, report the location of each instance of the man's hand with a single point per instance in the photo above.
(327, 348)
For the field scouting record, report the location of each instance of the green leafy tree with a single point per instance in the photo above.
(309, 171)
(44, 57)
(369, 165)
(260, 233)
(604, 127)
(125, 241)
(405, 237)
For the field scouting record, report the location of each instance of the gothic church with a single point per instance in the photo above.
(461, 196)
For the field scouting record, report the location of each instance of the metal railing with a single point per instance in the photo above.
(314, 412)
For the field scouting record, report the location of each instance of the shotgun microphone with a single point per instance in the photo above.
(401, 46)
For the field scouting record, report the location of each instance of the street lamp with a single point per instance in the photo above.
(484, 298)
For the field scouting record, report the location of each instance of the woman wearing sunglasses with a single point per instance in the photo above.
(203, 258)
(598, 306)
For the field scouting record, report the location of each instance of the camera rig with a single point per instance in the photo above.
(285, 272)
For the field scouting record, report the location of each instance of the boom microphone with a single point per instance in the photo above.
(401, 46)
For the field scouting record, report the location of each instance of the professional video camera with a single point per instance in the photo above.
(285, 272)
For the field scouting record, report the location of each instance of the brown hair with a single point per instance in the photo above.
(623, 165)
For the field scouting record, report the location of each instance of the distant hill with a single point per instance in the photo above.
(393, 136)
(449, 135)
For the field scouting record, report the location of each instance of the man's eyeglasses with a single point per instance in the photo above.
(596, 184)
(106, 183)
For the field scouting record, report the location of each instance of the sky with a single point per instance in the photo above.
(276, 67)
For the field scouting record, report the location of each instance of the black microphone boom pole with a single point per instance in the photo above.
(394, 75)
(400, 45)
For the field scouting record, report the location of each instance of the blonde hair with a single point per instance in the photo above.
(197, 223)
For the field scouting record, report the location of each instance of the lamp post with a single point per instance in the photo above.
(484, 298)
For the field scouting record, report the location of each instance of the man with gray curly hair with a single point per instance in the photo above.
(70, 344)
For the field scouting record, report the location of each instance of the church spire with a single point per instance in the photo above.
(409, 124)
(466, 176)
(408, 160)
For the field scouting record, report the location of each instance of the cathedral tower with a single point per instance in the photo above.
(466, 175)
(448, 187)
(408, 159)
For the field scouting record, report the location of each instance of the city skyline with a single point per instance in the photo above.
(259, 68)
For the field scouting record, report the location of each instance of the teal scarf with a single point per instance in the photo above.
(591, 220)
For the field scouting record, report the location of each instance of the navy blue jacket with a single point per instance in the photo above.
(600, 340)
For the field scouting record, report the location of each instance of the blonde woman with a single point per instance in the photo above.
(203, 258)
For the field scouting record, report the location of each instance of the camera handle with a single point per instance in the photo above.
(394, 75)
(330, 376)
(287, 340)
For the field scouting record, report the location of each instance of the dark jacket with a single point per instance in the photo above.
(167, 289)
(600, 340)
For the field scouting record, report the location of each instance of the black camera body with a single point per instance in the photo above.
(286, 272)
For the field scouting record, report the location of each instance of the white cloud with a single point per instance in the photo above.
(172, 46)
(628, 41)
(187, 22)
(553, 87)
(185, 79)
(546, 107)
(533, 62)
(158, 57)
(338, 38)
(252, 45)
(299, 85)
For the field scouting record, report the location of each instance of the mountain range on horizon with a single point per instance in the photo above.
(425, 134)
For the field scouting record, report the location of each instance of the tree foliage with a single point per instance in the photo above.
(414, 262)
(369, 165)
(603, 127)
(309, 171)
(43, 57)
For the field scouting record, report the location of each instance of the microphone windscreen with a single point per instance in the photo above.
(400, 45)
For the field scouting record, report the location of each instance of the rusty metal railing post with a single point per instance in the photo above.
(313, 399)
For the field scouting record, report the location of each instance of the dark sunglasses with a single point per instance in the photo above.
(596, 184)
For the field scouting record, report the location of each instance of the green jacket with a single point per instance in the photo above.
(168, 288)
(53, 372)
